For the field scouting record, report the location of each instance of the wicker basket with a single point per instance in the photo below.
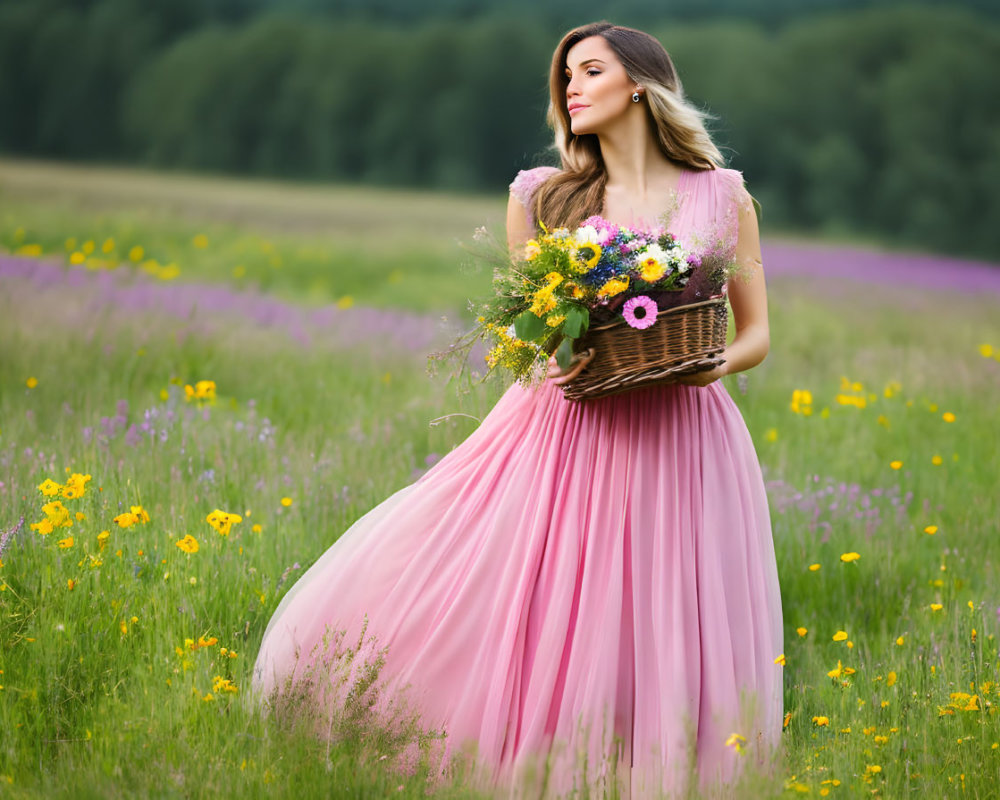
(684, 339)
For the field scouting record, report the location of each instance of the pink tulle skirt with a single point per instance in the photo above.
(582, 590)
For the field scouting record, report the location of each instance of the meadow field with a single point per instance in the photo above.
(177, 350)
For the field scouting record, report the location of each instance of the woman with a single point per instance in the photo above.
(584, 584)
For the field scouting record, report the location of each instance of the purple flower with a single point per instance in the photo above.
(640, 312)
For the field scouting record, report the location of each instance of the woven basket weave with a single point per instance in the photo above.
(685, 339)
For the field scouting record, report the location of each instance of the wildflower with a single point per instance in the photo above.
(891, 679)
(900, 641)
(586, 256)
(256, 528)
(223, 521)
(896, 464)
(613, 287)
(188, 544)
(821, 721)
(76, 486)
(70, 584)
(640, 312)
(847, 558)
(44, 528)
(286, 501)
(840, 636)
(49, 487)
(801, 402)
(787, 720)
(123, 627)
(802, 631)
(102, 539)
(126, 520)
(930, 530)
(840, 671)
(651, 263)
(65, 544)
(201, 391)
(200, 241)
(771, 434)
(936, 460)
(780, 660)
(947, 416)
(814, 567)
(345, 302)
(736, 742)
(58, 514)
(986, 350)
(31, 383)
(531, 250)
(220, 684)
(136, 253)
(936, 606)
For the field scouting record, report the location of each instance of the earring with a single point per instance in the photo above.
(635, 96)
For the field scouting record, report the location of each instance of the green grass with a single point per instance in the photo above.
(87, 709)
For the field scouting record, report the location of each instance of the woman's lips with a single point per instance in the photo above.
(574, 108)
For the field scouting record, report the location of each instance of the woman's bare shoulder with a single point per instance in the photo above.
(527, 181)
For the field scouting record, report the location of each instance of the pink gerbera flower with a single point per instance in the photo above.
(640, 312)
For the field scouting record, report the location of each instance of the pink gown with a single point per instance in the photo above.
(576, 583)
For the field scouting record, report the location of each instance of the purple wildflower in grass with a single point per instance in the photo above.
(133, 436)
(640, 312)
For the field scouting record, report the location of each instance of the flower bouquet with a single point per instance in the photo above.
(606, 287)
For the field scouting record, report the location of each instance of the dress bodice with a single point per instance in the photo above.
(703, 215)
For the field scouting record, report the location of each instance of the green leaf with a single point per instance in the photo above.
(577, 322)
(564, 353)
(528, 326)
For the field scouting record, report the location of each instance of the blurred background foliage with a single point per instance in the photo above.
(848, 118)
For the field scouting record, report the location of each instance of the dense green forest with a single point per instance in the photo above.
(878, 120)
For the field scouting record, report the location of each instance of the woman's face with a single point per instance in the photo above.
(599, 91)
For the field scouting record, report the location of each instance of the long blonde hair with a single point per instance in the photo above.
(678, 126)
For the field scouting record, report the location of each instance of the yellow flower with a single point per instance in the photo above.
(900, 641)
(930, 530)
(821, 721)
(76, 485)
(849, 557)
(345, 302)
(736, 741)
(58, 514)
(840, 671)
(126, 520)
(840, 636)
(223, 521)
(771, 434)
(65, 544)
(873, 769)
(936, 460)
(613, 287)
(651, 270)
(936, 606)
(102, 539)
(45, 527)
(586, 257)
(895, 464)
(31, 383)
(802, 631)
(188, 544)
(780, 660)
(947, 416)
(531, 250)
(108, 246)
(986, 350)
(814, 567)
(200, 241)
(286, 501)
(123, 627)
(257, 528)
(891, 679)
(70, 584)
(220, 684)
(136, 253)
(49, 487)
(801, 402)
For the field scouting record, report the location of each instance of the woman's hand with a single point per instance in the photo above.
(580, 360)
(703, 378)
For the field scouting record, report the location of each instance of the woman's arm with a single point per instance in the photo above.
(748, 297)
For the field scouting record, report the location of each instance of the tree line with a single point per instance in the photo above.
(881, 121)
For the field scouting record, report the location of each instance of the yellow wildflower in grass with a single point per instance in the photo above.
(108, 246)
(123, 627)
(787, 720)
(31, 383)
(256, 528)
(900, 641)
(771, 434)
(780, 660)
(126, 519)
(840, 671)
(188, 544)
(936, 460)
(947, 416)
(802, 631)
(102, 539)
(801, 402)
(88, 247)
(223, 521)
(44, 528)
(286, 501)
(986, 350)
(65, 544)
(847, 558)
(896, 464)
(201, 391)
(58, 514)
(220, 684)
(70, 584)
(136, 253)
(77, 258)
(814, 567)
(891, 679)
(840, 636)
(930, 530)
(936, 606)
(613, 287)
(736, 742)
(345, 302)
(76, 485)
(200, 241)
(821, 721)
(49, 487)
